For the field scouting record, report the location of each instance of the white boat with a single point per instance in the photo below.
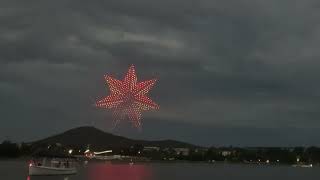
(55, 167)
(43, 170)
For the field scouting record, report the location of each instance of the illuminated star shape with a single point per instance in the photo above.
(128, 98)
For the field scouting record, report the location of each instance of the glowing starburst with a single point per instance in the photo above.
(128, 98)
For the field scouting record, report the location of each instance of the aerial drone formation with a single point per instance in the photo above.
(128, 98)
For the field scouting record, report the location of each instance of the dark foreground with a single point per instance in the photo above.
(17, 170)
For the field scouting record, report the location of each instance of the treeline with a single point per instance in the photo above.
(13, 150)
(248, 155)
(230, 154)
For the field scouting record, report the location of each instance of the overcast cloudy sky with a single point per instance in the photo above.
(230, 72)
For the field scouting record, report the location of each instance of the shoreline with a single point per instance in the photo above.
(27, 158)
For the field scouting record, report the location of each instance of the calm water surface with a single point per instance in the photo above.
(18, 170)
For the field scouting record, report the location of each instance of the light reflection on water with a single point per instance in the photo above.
(119, 172)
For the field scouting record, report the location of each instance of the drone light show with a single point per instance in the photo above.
(128, 98)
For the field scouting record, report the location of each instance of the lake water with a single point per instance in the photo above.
(18, 170)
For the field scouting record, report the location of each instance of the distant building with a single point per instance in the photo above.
(182, 151)
(226, 153)
(201, 150)
(151, 148)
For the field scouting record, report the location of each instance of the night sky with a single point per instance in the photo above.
(230, 72)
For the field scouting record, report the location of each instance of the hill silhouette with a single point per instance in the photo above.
(81, 137)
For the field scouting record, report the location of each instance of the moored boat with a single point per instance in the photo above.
(53, 167)
(43, 170)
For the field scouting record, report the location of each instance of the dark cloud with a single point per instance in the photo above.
(248, 65)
